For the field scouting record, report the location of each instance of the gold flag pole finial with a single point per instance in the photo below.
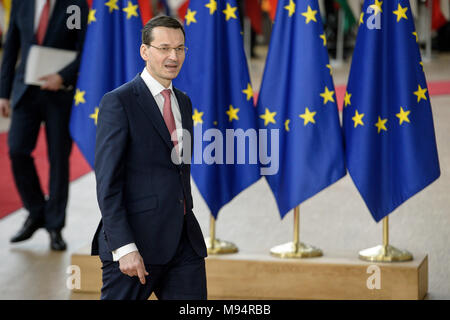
(295, 249)
(217, 246)
(385, 252)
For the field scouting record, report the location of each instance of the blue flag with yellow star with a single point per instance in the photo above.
(297, 97)
(391, 149)
(215, 76)
(110, 58)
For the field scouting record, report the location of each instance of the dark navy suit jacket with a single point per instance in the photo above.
(140, 191)
(21, 36)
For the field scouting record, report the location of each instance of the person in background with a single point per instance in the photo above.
(40, 22)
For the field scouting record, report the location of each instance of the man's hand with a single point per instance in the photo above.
(53, 82)
(132, 265)
(5, 107)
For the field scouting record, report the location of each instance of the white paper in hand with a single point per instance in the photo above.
(43, 61)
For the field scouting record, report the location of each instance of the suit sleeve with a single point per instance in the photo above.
(109, 166)
(70, 72)
(10, 53)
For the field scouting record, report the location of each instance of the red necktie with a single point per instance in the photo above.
(170, 122)
(168, 116)
(43, 23)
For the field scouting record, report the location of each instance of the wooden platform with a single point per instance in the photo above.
(258, 276)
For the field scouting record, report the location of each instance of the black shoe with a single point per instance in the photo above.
(29, 227)
(57, 243)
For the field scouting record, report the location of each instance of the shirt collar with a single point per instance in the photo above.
(153, 85)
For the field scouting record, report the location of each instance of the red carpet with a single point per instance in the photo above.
(9, 197)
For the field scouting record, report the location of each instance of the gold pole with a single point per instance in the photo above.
(385, 252)
(296, 249)
(296, 228)
(217, 246)
(212, 232)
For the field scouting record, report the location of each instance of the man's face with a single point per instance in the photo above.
(164, 65)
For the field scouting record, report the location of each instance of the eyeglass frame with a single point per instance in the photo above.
(168, 50)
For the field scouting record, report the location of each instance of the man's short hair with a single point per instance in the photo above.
(159, 21)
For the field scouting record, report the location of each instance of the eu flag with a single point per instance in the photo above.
(388, 126)
(297, 97)
(215, 76)
(110, 58)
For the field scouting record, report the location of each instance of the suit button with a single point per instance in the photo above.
(181, 173)
(181, 201)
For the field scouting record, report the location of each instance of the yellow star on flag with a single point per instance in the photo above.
(248, 92)
(327, 95)
(347, 99)
(190, 17)
(420, 93)
(286, 125)
(401, 12)
(79, 97)
(232, 113)
(131, 10)
(212, 6)
(310, 15)
(421, 63)
(94, 115)
(361, 18)
(403, 115)
(308, 117)
(417, 37)
(112, 5)
(381, 124)
(290, 8)
(269, 117)
(329, 67)
(230, 12)
(377, 6)
(324, 38)
(197, 117)
(91, 17)
(357, 118)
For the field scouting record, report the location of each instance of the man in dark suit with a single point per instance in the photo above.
(148, 239)
(42, 22)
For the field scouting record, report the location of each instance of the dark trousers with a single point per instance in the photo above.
(183, 278)
(52, 108)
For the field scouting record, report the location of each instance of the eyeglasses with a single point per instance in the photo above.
(167, 50)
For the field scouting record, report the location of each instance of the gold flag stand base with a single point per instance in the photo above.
(385, 252)
(290, 250)
(220, 247)
(295, 249)
(217, 246)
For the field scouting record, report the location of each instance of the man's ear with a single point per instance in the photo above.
(144, 52)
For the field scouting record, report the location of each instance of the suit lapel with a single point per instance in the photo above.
(185, 117)
(30, 20)
(148, 105)
(52, 19)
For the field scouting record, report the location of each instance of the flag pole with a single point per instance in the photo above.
(385, 252)
(217, 246)
(295, 249)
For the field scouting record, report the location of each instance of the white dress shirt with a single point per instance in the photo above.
(38, 10)
(155, 88)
